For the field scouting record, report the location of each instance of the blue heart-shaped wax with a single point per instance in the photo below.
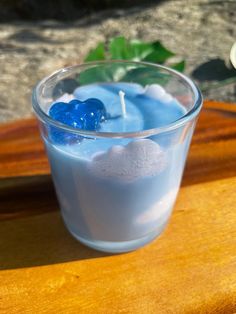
(86, 115)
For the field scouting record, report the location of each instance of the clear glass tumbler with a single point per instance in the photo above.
(116, 190)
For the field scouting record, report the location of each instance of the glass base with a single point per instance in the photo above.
(119, 247)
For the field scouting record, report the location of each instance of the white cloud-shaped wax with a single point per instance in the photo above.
(160, 210)
(156, 91)
(137, 159)
(65, 98)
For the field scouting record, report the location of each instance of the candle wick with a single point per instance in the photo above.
(123, 104)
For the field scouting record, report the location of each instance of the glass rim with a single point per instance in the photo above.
(192, 113)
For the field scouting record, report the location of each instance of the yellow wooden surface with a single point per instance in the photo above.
(190, 268)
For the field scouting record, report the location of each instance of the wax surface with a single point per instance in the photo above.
(143, 111)
(119, 190)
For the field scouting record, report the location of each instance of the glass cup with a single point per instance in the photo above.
(116, 190)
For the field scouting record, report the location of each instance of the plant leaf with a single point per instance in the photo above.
(135, 50)
(94, 75)
(144, 77)
(97, 53)
(119, 49)
(140, 50)
(180, 66)
(159, 54)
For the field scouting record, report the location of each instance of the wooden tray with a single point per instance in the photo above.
(190, 268)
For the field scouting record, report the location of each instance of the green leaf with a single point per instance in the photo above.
(97, 53)
(139, 50)
(159, 54)
(146, 77)
(135, 50)
(180, 66)
(94, 75)
(119, 49)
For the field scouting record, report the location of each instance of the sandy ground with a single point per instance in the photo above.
(202, 32)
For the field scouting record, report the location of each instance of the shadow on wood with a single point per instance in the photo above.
(39, 240)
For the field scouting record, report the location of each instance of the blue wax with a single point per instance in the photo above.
(143, 112)
(117, 194)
